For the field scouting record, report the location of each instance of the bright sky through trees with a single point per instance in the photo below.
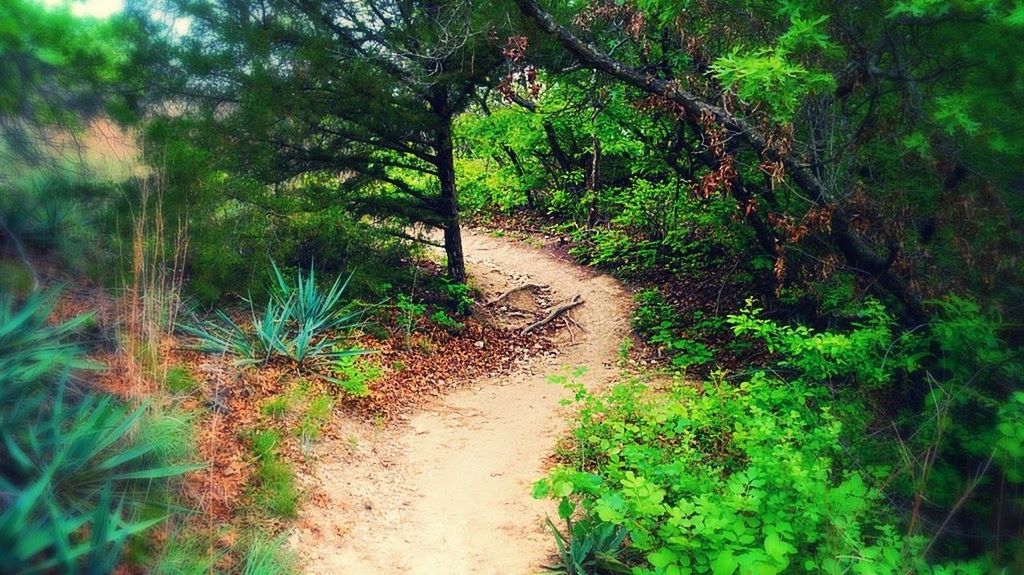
(95, 8)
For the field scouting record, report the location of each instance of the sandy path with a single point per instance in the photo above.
(449, 493)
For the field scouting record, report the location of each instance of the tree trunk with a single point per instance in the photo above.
(448, 201)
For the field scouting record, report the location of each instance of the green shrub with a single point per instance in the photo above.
(589, 546)
(449, 323)
(744, 479)
(958, 408)
(662, 326)
(869, 353)
(460, 295)
(59, 214)
(355, 374)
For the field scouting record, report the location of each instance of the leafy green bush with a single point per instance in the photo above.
(957, 406)
(661, 325)
(461, 296)
(78, 477)
(728, 479)
(300, 322)
(409, 315)
(447, 322)
(869, 353)
(355, 374)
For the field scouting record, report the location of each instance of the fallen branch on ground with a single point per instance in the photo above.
(512, 291)
(575, 301)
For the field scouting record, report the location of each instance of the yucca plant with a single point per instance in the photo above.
(299, 322)
(74, 477)
(30, 348)
(589, 548)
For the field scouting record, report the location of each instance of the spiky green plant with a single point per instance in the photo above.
(74, 477)
(299, 322)
(589, 548)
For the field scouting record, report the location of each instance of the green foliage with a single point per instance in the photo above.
(447, 322)
(355, 374)
(317, 416)
(57, 213)
(299, 322)
(54, 72)
(276, 407)
(868, 353)
(728, 479)
(409, 315)
(659, 323)
(79, 470)
(964, 410)
(460, 295)
(183, 555)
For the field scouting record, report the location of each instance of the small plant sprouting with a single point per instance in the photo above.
(354, 375)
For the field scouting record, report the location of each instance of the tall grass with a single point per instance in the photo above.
(151, 298)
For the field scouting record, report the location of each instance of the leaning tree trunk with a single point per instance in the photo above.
(448, 201)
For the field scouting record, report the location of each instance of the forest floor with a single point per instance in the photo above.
(446, 490)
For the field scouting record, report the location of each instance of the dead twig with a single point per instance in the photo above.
(575, 301)
(512, 291)
(568, 328)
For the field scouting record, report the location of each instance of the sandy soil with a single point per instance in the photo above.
(448, 491)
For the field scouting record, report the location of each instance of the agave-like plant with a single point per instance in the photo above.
(73, 475)
(589, 548)
(299, 322)
(30, 348)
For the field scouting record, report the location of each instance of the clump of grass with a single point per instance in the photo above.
(277, 407)
(179, 381)
(186, 555)
(315, 419)
(268, 557)
(275, 488)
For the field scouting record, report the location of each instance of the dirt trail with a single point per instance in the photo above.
(449, 493)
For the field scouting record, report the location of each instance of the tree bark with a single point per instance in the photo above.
(448, 204)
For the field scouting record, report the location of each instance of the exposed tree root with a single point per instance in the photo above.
(575, 301)
(505, 295)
